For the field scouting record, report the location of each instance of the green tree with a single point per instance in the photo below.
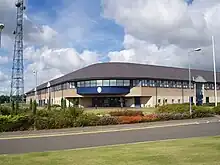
(13, 106)
(49, 105)
(16, 107)
(62, 104)
(34, 107)
(30, 106)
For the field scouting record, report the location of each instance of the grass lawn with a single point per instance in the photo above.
(196, 151)
(107, 110)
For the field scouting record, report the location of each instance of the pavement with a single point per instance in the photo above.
(78, 138)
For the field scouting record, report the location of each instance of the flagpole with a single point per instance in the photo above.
(213, 54)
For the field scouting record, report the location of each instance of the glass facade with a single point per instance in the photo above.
(132, 83)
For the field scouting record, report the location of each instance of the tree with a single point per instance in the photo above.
(13, 106)
(16, 107)
(34, 107)
(4, 99)
(49, 105)
(31, 104)
(62, 104)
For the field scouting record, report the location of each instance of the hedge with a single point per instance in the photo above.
(126, 113)
(15, 123)
(75, 117)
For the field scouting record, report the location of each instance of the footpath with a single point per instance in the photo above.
(108, 128)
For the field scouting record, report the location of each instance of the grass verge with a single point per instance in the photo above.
(195, 151)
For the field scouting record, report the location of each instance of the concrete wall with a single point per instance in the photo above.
(149, 96)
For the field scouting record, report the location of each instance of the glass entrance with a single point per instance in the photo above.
(106, 102)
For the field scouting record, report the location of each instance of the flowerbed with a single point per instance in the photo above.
(75, 117)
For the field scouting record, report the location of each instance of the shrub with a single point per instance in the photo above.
(30, 105)
(15, 123)
(172, 116)
(129, 119)
(173, 108)
(86, 120)
(126, 113)
(200, 111)
(4, 110)
(150, 117)
(108, 120)
(34, 108)
(216, 110)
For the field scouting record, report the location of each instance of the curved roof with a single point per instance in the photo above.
(119, 70)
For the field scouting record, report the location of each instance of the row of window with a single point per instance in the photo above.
(162, 84)
(95, 83)
(144, 83)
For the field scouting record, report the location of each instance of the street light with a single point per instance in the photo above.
(35, 73)
(213, 54)
(1, 29)
(190, 103)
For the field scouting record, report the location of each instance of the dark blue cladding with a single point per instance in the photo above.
(102, 90)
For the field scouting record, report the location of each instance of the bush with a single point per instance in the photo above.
(200, 111)
(86, 120)
(4, 110)
(216, 110)
(173, 108)
(108, 120)
(126, 113)
(173, 116)
(15, 123)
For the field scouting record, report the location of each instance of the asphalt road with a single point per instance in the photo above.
(40, 144)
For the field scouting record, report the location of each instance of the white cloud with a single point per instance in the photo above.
(52, 63)
(34, 34)
(3, 59)
(163, 31)
(3, 77)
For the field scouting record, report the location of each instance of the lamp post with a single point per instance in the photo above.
(213, 54)
(1, 29)
(35, 73)
(190, 102)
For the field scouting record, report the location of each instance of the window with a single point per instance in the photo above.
(172, 101)
(78, 84)
(152, 83)
(93, 83)
(112, 82)
(105, 82)
(179, 101)
(82, 84)
(119, 82)
(99, 82)
(185, 85)
(179, 84)
(87, 83)
(158, 101)
(166, 101)
(72, 85)
(207, 99)
(166, 84)
(126, 82)
(136, 83)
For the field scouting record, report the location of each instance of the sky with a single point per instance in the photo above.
(63, 36)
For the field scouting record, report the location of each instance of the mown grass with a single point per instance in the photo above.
(195, 151)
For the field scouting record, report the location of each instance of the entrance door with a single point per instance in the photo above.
(137, 101)
(199, 94)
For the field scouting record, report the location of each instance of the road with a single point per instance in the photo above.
(71, 141)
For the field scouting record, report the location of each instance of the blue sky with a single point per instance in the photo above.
(105, 34)
(63, 36)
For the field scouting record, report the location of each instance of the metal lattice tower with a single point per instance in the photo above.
(17, 78)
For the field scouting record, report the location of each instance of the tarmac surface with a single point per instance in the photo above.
(53, 140)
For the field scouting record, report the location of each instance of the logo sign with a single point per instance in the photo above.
(99, 89)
